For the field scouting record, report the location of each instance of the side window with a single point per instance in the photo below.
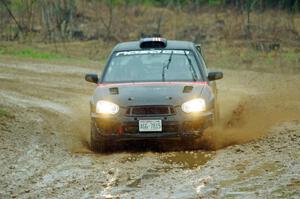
(202, 62)
(198, 47)
(204, 65)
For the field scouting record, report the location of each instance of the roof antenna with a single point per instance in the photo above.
(143, 35)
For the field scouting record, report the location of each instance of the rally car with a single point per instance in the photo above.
(152, 89)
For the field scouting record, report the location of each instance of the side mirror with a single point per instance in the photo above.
(215, 76)
(91, 78)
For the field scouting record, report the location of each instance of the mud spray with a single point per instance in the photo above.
(246, 116)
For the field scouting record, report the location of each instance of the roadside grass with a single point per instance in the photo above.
(72, 53)
(221, 54)
(30, 53)
(4, 113)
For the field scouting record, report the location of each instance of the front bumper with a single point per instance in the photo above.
(174, 127)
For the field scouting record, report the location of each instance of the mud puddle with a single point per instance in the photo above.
(188, 159)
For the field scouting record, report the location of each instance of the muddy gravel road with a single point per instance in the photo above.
(44, 150)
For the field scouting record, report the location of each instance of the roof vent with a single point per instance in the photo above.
(153, 42)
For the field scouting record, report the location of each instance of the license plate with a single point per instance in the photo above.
(150, 125)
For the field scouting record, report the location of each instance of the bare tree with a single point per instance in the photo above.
(12, 15)
(57, 18)
(105, 14)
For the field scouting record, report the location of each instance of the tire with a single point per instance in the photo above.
(216, 120)
(190, 144)
(97, 145)
(216, 115)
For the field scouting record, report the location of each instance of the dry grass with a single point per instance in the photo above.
(240, 57)
(204, 25)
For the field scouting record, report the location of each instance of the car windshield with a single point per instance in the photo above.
(152, 66)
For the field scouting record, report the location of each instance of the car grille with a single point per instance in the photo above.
(150, 110)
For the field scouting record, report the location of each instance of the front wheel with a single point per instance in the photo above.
(191, 143)
(96, 144)
(216, 115)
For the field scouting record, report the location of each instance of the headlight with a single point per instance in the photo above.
(106, 107)
(195, 105)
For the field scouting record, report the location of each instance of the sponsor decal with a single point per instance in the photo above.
(146, 52)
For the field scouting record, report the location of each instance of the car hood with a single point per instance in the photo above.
(150, 93)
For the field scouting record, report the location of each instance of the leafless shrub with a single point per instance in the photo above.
(57, 19)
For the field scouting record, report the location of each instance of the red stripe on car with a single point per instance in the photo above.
(151, 83)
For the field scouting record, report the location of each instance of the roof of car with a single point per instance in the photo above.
(171, 44)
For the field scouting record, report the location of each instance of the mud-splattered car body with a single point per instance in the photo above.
(152, 89)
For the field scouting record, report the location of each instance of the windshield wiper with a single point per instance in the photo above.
(166, 67)
(191, 68)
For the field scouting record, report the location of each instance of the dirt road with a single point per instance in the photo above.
(44, 144)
